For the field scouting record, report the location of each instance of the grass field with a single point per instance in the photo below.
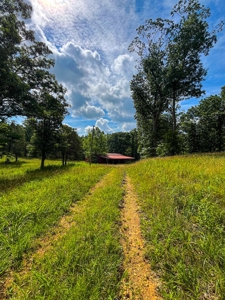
(183, 219)
(84, 263)
(182, 204)
(32, 201)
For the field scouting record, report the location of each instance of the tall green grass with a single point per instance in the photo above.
(32, 208)
(183, 220)
(15, 174)
(84, 263)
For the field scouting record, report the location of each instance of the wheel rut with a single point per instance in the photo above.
(139, 282)
(47, 242)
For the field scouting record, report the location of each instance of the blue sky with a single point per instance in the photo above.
(90, 39)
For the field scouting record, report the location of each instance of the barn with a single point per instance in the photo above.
(114, 158)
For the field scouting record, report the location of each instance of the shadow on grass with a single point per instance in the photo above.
(32, 175)
(14, 164)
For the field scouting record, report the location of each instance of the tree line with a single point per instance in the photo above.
(23, 141)
(97, 142)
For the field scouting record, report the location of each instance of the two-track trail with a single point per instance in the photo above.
(47, 242)
(139, 282)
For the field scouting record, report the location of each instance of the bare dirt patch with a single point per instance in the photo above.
(139, 282)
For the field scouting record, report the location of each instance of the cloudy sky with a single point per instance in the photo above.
(90, 39)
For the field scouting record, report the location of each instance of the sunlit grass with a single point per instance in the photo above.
(16, 173)
(84, 264)
(183, 206)
(32, 207)
(182, 214)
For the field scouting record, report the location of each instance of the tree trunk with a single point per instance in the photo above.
(174, 112)
(220, 134)
(9, 145)
(63, 158)
(154, 134)
(43, 158)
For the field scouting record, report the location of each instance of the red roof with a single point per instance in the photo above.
(116, 156)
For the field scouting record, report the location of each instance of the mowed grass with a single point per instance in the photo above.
(183, 220)
(85, 262)
(31, 208)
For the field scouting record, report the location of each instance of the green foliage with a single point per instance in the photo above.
(204, 125)
(27, 88)
(24, 62)
(12, 140)
(170, 67)
(70, 144)
(170, 145)
(149, 100)
(95, 143)
(12, 31)
(48, 122)
(125, 143)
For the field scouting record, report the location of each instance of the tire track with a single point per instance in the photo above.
(47, 242)
(139, 282)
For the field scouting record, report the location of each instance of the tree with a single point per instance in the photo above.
(204, 124)
(3, 139)
(189, 127)
(48, 122)
(149, 104)
(170, 67)
(190, 39)
(69, 144)
(134, 144)
(16, 140)
(23, 60)
(119, 142)
(150, 86)
(95, 143)
(125, 143)
(12, 140)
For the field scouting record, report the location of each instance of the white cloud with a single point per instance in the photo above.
(88, 129)
(91, 112)
(128, 126)
(123, 112)
(79, 130)
(77, 101)
(123, 65)
(89, 40)
(93, 87)
(103, 124)
(91, 24)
